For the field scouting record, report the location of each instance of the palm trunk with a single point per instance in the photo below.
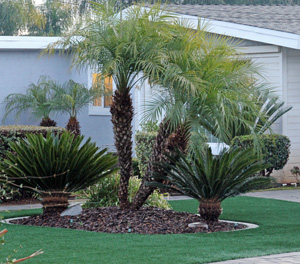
(73, 126)
(55, 202)
(121, 116)
(210, 210)
(159, 148)
(47, 122)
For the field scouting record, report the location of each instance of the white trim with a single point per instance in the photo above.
(269, 36)
(26, 42)
(97, 110)
(259, 49)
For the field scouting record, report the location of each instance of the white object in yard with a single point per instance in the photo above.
(72, 210)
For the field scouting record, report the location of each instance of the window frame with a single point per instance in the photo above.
(98, 110)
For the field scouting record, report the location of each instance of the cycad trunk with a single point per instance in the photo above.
(55, 202)
(73, 126)
(47, 122)
(121, 116)
(210, 210)
(165, 142)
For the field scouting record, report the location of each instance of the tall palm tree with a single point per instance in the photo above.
(37, 100)
(130, 47)
(71, 98)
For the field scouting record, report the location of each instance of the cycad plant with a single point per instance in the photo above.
(211, 179)
(55, 166)
(37, 100)
(71, 98)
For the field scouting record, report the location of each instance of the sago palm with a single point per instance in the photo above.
(71, 98)
(36, 99)
(211, 179)
(55, 166)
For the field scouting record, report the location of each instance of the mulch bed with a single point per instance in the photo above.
(148, 220)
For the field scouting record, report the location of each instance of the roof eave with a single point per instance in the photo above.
(264, 35)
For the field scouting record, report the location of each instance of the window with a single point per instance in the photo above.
(101, 105)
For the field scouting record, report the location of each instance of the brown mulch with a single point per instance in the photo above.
(148, 220)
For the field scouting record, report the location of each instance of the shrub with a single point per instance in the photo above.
(144, 143)
(105, 193)
(135, 168)
(13, 133)
(211, 179)
(275, 149)
(56, 165)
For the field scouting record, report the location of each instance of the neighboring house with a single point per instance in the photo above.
(269, 34)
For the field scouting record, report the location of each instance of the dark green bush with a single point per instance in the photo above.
(13, 133)
(144, 143)
(275, 149)
(56, 165)
(135, 168)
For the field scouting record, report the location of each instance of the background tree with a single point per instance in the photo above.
(16, 16)
(37, 100)
(71, 98)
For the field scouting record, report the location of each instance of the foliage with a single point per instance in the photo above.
(14, 133)
(71, 97)
(58, 18)
(17, 15)
(144, 143)
(211, 179)
(37, 99)
(105, 193)
(135, 168)
(56, 165)
(296, 173)
(275, 149)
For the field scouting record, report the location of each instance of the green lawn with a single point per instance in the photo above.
(279, 232)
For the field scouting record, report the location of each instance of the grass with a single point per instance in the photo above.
(279, 232)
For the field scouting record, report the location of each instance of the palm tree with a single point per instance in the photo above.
(37, 99)
(211, 179)
(220, 86)
(129, 50)
(71, 98)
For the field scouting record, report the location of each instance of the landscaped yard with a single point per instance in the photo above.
(279, 232)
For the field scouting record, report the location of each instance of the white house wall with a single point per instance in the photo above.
(291, 126)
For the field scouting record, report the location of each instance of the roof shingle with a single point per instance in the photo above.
(280, 18)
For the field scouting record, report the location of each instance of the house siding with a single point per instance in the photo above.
(19, 68)
(292, 118)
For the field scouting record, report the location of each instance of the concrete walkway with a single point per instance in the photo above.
(287, 258)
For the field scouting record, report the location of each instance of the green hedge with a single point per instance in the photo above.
(144, 143)
(275, 149)
(13, 133)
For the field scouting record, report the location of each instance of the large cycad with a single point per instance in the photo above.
(211, 179)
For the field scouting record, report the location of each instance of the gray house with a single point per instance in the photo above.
(270, 35)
